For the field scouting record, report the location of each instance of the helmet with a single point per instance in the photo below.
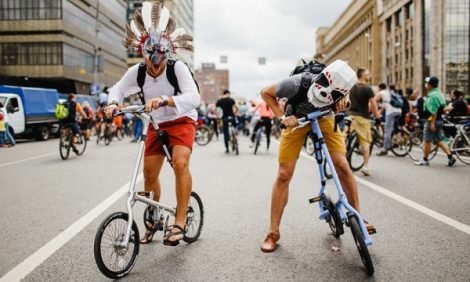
(332, 84)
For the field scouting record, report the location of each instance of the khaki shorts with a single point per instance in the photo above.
(292, 142)
(362, 127)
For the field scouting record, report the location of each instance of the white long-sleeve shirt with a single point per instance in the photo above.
(186, 102)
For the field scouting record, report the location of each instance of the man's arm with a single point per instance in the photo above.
(373, 107)
(268, 94)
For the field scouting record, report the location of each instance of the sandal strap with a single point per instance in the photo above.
(177, 227)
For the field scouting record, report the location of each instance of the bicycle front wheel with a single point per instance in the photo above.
(360, 244)
(399, 142)
(64, 146)
(461, 148)
(354, 154)
(113, 260)
(202, 136)
(194, 218)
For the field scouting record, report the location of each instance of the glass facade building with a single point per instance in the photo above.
(70, 44)
(457, 49)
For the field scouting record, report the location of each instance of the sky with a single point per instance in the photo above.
(280, 30)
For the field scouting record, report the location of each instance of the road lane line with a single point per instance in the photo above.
(36, 259)
(28, 159)
(440, 217)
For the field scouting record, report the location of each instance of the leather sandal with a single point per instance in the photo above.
(147, 238)
(269, 244)
(168, 241)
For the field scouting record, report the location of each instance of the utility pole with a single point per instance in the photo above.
(96, 48)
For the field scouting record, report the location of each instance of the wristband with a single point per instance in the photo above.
(165, 101)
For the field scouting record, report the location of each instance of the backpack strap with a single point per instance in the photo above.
(171, 75)
(141, 80)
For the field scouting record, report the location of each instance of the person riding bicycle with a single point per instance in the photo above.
(266, 116)
(227, 104)
(103, 121)
(337, 75)
(86, 123)
(174, 112)
(71, 120)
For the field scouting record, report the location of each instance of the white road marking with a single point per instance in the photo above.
(433, 214)
(28, 159)
(36, 259)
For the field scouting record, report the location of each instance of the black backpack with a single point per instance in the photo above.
(299, 105)
(170, 74)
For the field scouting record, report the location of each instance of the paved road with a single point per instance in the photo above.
(42, 196)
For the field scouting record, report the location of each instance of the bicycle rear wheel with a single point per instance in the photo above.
(360, 244)
(80, 145)
(461, 148)
(334, 220)
(415, 146)
(399, 142)
(234, 142)
(113, 260)
(64, 146)
(194, 218)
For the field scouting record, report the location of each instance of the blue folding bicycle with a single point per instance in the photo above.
(341, 212)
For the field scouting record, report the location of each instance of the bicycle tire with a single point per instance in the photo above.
(116, 237)
(461, 148)
(192, 223)
(326, 169)
(258, 140)
(334, 220)
(354, 154)
(234, 142)
(81, 144)
(360, 244)
(64, 146)
(415, 146)
(399, 141)
(309, 145)
(202, 136)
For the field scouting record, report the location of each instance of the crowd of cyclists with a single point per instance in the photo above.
(407, 119)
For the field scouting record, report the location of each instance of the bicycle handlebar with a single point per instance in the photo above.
(136, 109)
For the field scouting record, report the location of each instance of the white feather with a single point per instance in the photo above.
(135, 29)
(147, 14)
(164, 17)
(177, 32)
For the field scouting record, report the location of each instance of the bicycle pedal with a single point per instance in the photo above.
(314, 199)
(143, 194)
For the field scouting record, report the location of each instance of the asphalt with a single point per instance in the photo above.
(42, 197)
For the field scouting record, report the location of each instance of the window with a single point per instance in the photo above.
(398, 18)
(30, 9)
(409, 11)
(389, 24)
(41, 53)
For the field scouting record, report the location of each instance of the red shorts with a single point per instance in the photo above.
(180, 131)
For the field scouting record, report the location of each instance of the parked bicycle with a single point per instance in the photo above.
(340, 212)
(117, 242)
(67, 143)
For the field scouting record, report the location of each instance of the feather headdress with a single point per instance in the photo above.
(152, 30)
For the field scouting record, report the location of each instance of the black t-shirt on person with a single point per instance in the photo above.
(459, 108)
(359, 96)
(226, 104)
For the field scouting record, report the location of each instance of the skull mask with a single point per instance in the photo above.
(332, 84)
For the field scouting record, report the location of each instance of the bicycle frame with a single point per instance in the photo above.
(320, 151)
(145, 197)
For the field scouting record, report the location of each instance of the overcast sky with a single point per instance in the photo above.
(280, 30)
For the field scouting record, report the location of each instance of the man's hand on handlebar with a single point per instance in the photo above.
(109, 110)
(342, 105)
(154, 104)
(290, 121)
